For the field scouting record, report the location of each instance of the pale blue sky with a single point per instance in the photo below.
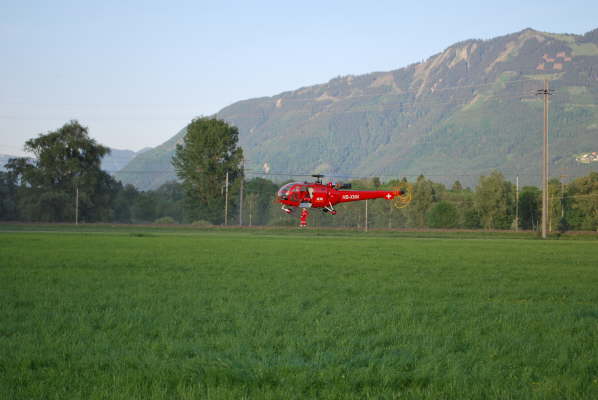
(135, 72)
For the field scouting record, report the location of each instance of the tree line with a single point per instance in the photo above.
(64, 182)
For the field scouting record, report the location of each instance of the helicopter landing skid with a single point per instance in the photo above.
(287, 210)
(305, 213)
(329, 209)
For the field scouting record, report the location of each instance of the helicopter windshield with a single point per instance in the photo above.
(291, 191)
(283, 192)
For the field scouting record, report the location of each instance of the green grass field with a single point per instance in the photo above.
(258, 314)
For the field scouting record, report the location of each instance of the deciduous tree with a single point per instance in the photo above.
(424, 196)
(443, 215)
(584, 193)
(494, 201)
(209, 150)
(64, 160)
(529, 207)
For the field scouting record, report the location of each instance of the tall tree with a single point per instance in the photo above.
(529, 207)
(494, 201)
(584, 210)
(424, 196)
(123, 204)
(209, 150)
(258, 201)
(555, 204)
(443, 215)
(66, 160)
(8, 197)
(457, 187)
(171, 198)
(145, 207)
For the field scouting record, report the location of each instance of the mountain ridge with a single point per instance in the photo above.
(462, 112)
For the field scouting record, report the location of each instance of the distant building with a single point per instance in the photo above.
(587, 158)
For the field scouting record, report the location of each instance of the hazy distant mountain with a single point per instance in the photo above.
(117, 159)
(144, 150)
(151, 168)
(4, 159)
(113, 162)
(459, 114)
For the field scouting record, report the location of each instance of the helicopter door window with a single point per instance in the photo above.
(303, 191)
(296, 193)
(310, 190)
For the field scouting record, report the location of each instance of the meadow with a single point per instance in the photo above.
(140, 314)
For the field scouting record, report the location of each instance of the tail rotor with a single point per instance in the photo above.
(403, 195)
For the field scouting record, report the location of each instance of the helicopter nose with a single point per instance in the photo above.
(281, 196)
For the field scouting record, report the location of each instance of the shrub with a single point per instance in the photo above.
(443, 215)
(201, 223)
(165, 221)
(563, 225)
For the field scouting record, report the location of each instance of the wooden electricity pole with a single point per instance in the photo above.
(366, 215)
(250, 208)
(76, 205)
(226, 200)
(545, 92)
(562, 196)
(517, 203)
(241, 194)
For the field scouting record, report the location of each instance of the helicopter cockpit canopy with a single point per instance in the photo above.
(283, 192)
(292, 191)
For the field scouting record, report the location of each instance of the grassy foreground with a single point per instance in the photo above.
(245, 315)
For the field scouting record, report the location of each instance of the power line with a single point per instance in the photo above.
(383, 105)
(92, 118)
(428, 91)
(375, 107)
(587, 83)
(356, 177)
(432, 90)
(309, 173)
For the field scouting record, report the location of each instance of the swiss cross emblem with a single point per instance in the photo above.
(388, 196)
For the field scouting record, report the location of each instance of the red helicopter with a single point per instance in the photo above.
(316, 194)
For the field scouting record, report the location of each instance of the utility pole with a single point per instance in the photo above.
(226, 200)
(366, 215)
(517, 204)
(241, 194)
(76, 205)
(250, 208)
(545, 92)
(562, 196)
